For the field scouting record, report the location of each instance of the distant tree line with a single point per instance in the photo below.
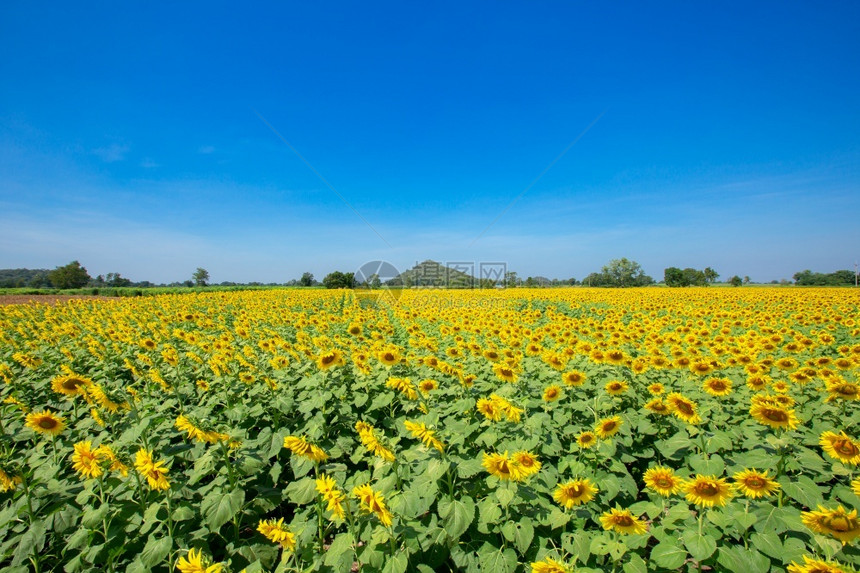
(619, 273)
(675, 277)
(809, 278)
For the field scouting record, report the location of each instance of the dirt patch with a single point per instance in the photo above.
(47, 298)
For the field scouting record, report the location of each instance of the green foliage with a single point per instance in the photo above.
(72, 275)
(838, 278)
(200, 277)
(619, 273)
(736, 281)
(339, 279)
(675, 277)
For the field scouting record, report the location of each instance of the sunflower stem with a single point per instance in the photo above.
(34, 559)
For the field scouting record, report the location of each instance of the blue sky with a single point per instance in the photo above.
(727, 135)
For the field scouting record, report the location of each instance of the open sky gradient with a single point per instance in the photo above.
(722, 134)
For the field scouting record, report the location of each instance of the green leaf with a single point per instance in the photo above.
(712, 466)
(218, 508)
(557, 518)
(802, 490)
(457, 515)
(737, 558)
(30, 542)
(494, 560)
(77, 539)
(92, 517)
(670, 556)
(155, 550)
(302, 491)
(520, 533)
(768, 543)
(505, 496)
(635, 565)
(469, 467)
(340, 551)
(700, 546)
(396, 564)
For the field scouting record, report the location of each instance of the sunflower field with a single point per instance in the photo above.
(544, 430)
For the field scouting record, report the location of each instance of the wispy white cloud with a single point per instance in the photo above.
(112, 153)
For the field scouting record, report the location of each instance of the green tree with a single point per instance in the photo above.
(200, 277)
(306, 280)
(625, 273)
(511, 279)
(73, 275)
(338, 279)
(736, 281)
(711, 275)
(673, 277)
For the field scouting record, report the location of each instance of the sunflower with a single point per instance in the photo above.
(7, 482)
(615, 357)
(69, 384)
(657, 406)
(154, 472)
(575, 492)
(354, 329)
(616, 387)
(194, 562)
(86, 461)
(491, 355)
(302, 447)
(839, 389)
(776, 417)
(855, 487)
(372, 501)
(388, 357)
(527, 462)
(608, 427)
(404, 385)
(334, 498)
(839, 523)
(427, 385)
(755, 484)
(622, 521)
(586, 440)
(841, 447)
(45, 422)
(707, 491)
(423, 433)
(662, 480)
(552, 393)
(656, 389)
(368, 439)
(490, 409)
(701, 367)
(549, 565)
(683, 408)
(505, 372)
(573, 378)
(718, 386)
(816, 566)
(758, 382)
(275, 532)
(329, 359)
(503, 467)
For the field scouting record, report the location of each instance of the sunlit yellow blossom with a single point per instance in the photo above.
(85, 460)
(154, 472)
(45, 422)
(552, 393)
(504, 468)
(707, 491)
(404, 386)
(616, 387)
(774, 416)
(622, 521)
(373, 502)
(69, 384)
(662, 480)
(195, 562)
(755, 484)
(811, 565)
(527, 463)
(717, 386)
(302, 447)
(839, 523)
(368, 438)
(608, 427)
(575, 492)
(333, 497)
(573, 378)
(274, 531)
(7, 482)
(423, 433)
(586, 440)
(841, 447)
(683, 408)
(549, 565)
